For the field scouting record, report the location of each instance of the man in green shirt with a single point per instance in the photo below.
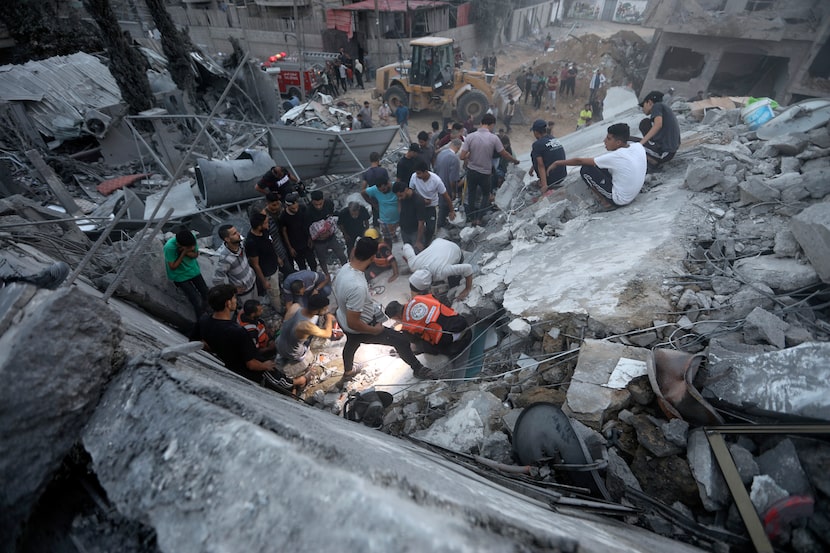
(181, 256)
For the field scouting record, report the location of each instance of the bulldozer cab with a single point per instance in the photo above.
(433, 63)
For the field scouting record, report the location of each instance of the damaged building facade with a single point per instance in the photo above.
(774, 48)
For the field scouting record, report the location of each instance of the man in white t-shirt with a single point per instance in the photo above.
(361, 318)
(444, 260)
(618, 176)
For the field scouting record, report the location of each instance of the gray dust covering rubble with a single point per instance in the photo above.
(119, 435)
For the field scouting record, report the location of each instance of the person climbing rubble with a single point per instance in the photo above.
(618, 176)
(294, 356)
(443, 259)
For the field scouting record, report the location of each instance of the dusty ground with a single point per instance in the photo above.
(519, 55)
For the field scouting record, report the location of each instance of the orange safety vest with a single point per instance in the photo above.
(420, 317)
(256, 331)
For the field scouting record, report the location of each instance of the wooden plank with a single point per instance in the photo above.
(55, 183)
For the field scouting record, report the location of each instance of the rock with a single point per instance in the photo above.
(804, 541)
(714, 493)
(651, 437)
(618, 476)
(789, 144)
(641, 391)
(467, 424)
(755, 190)
(765, 492)
(790, 165)
(676, 431)
(520, 326)
(761, 326)
(644, 339)
(815, 458)
(537, 395)
(687, 299)
(756, 294)
(811, 228)
(700, 176)
(468, 234)
(725, 285)
(58, 356)
(744, 462)
(796, 335)
(667, 479)
(782, 274)
(785, 244)
(820, 137)
(508, 192)
(782, 465)
(590, 400)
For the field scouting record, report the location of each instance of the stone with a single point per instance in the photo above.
(667, 479)
(790, 165)
(782, 274)
(765, 492)
(652, 438)
(468, 234)
(781, 463)
(57, 358)
(755, 190)
(785, 244)
(676, 431)
(811, 228)
(815, 458)
(508, 193)
(590, 400)
(725, 285)
(819, 137)
(644, 339)
(755, 294)
(796, 335)
(745, 463)
(789, 144)
(700, 176)
(467, 424)
(520, 326)
(796, 380)
(618, 476)
(641, 391)
(714, 494)
(761, 326)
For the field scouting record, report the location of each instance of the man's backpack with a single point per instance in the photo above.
(367, 407)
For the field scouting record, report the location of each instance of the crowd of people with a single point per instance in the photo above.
(283, 262)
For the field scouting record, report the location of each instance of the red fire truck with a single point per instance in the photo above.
(288, 73)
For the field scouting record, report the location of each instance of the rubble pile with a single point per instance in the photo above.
(748, 301)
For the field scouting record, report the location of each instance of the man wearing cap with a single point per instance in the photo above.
(545, 150)
(617, 176)
(233, 267)
(443, 259)
(360, 317)
(406, 165)
(478, 151)
(661, 133)
(295, 233)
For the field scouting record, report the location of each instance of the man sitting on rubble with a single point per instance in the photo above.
(443, 259)
(298, 287)
(278, 180)
(294, 357)
(431, 326)
(250, 318)
(661, 133)
(615, 177)
(384, 259)
(545, 150)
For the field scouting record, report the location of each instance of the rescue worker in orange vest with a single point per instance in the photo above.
(431, 326)
(384, 260)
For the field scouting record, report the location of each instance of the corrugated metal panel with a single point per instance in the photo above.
(58, 91)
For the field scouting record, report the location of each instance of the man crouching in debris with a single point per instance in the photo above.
(618, 176)
(444, 261)
(360, 317)
(224, 337)
(278, 180)
(432, 327)
(294, 355)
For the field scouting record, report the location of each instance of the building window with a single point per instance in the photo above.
(759, 5)
(680, 64)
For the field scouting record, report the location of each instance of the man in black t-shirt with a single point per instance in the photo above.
(417, 220)
(406, 165)
(323, 230)
(263, 259)
(278, 180)
(661, 132)
(295, 236)
(353, 221)
(545, 150)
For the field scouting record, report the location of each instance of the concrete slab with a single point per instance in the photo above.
(609, 266)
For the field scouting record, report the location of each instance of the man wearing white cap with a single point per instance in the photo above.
(443, 259)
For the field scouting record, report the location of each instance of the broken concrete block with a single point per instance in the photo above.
(508, 192)
(466, 426)
(687, 299)
(795, 335)
(747, 298)
(644, 339)
(469, 234)
(761, 326)
(714, 494)
(676, 431)
(790, 165)
(57, 358)
(725, 285)
(782, 465)
(520, 326)
(782, 274)
(590, 398)
(796, 380)
(789, 144)
(817, 183)
(668, 479)
(744, 462)
(755, 190)
(819, 137)
(785, 243)
(618, 476)
(699, 177)
(651, 437)
(765, 492)
(811, 228)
